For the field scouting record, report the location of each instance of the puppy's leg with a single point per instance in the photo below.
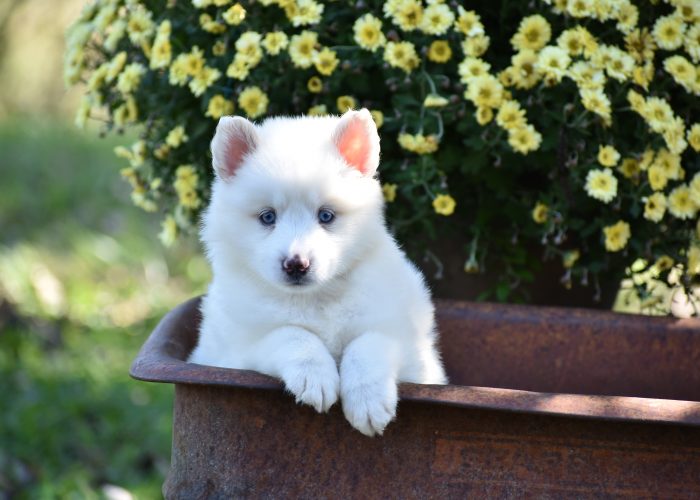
(303, 363)
(368, 372)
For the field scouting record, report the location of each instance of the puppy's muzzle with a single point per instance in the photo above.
(296, 269)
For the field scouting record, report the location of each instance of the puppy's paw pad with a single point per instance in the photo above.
(370, 406)
(314, 383)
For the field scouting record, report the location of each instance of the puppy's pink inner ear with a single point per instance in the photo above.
(234, 151)
(354, 145)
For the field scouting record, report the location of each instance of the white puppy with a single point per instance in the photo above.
(308, 284)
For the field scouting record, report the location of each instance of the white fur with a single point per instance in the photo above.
(362, 323)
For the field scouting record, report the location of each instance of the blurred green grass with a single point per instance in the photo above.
(83, 279)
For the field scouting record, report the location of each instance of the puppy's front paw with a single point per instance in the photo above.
(314, 382)
(369, 405)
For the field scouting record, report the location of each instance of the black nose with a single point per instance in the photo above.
(296, 267)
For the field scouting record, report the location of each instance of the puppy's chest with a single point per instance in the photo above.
(332, 323)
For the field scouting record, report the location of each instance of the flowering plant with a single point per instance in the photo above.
(566, 125)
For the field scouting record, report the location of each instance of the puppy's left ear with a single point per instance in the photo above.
(357, 141)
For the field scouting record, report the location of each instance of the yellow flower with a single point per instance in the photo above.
(570, 257)
(484, 115)
(140, 25)
(389, 191)
(176, 136)
(552, 62)
(318, 110)
(302, 49)
(345, 103)
(616, 236)
(437, 19)
(524, 139)
(681, 204)
(186, 186)
(378, 117)
(168, 233)
(657, 113)
(219, 48)
(695, 189)
(468, 22)
(253, 101)
(668, 32)
(524, 74)
(238, 69)
(640, 44)
(407, 14)
(219, 106)
(472, 67)
(193, 61)
(655, 207)
(596, 101)
(630, 168)
(435, 101)
(401, 55)
(439, 51)
(694, 260)
(510, 115)
(670, 163)
(608, 156)
(161, 152)
(419, 143)
(627, 17)
(115, 66)
(326, 61)
(161, 53)
(485, 91)
(619, 64)
(235, 14)
(210, 26)
(533, 33)
(692, 42)
(83, 112)
(248, 48)
(601, 185)
(368, 32)
(475, 46)
(203, 80)
(646, 159)
(275, 42)
(573, 40)
(130, 78)
(303, 12)
(682, 71)
(315, 84)
(657, 177)
(444, 204)
(694, 136)
(540, 213)
(581, 8)
(663, 263)
(178, 71)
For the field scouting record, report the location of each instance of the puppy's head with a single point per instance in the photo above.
(295, 202)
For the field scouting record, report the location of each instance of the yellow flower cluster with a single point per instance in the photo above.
(417, 42)
(419, 143)
(186, 186)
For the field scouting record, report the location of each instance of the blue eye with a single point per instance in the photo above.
(325, 216)
(267, 217)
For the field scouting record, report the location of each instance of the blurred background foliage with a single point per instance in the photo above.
(83, 279)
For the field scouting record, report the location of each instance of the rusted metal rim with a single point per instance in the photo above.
(161, 359)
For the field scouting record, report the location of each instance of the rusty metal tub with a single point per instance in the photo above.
(543, 402)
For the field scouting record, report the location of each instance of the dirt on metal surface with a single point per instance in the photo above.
(543, 401)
